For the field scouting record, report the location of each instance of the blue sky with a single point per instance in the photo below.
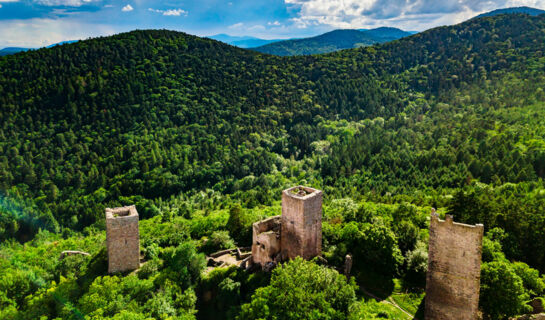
(35, 23)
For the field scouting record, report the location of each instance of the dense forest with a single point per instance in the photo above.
(332, 41)
(202, 137)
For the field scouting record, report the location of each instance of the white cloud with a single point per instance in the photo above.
(0, 6)
(174, 12)
(236, 26)
(275, 23)
(409, 14)
(127, 8)
(67, 3)
(9, 0)
(38, 32)
(170, 12)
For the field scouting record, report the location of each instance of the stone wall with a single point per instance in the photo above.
(123, 239)
(301, 223)
(454, 269)
(266, 241)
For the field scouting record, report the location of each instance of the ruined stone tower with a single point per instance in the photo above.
(122, 238)
(301, 232)
(454, 270)
(266, 241)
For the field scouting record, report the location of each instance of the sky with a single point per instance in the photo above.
(37, 23)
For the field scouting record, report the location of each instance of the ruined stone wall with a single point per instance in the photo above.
(266, 240)
(123, 239)
(301, 223)
(454, 269)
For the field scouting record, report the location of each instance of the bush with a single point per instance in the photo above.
(218, 240)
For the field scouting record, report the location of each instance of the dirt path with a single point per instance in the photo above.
(388, 301)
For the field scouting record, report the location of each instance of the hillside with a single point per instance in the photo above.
(523, 10)
(11, 50)
(332, 41)
(14, 50)
(202, 137)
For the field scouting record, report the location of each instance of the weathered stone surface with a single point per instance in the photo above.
(537, 306)
(454, 269)
(123, 239)
(301, 223)
(266, 240)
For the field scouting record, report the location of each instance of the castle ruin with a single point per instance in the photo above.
(454, 270)
(266, 241)
(297, 232)
(122, 239)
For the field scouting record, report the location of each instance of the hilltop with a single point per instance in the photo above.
(333, 41)
(523, 10)
(202, 137)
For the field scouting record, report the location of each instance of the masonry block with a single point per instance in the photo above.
(123, 239)
(301, 223)
(266, 240)
(454, 270)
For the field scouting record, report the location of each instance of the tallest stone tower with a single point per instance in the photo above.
(301, 223)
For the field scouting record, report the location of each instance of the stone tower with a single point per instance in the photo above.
(301, 231)
(123, 239)
(454, 270)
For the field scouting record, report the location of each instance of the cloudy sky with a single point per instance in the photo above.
(35, 23)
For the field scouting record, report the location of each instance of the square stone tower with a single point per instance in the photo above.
(301, 231)
(454, 270)
(123, 239)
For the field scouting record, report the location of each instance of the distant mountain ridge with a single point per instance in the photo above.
(13, 50)
(333, 41)
(525, 10)
(242, 41)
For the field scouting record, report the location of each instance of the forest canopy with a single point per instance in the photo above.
(202, 137)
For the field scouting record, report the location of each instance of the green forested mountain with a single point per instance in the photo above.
(202, 137)
(332, 41)
(513, 10)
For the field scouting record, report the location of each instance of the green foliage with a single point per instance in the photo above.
(302, 290)
(185, 263)
(502, 291)
(417, 265)
(373, 245)
(202, 137)
(218, 240)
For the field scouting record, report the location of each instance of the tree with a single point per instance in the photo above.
(502, 291)
(301, 289)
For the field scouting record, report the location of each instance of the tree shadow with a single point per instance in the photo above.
(374, 284)
(421, 308)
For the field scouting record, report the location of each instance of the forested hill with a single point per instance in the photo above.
(202, 137)
(154, 113)
(332, 41)
(513, 10)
